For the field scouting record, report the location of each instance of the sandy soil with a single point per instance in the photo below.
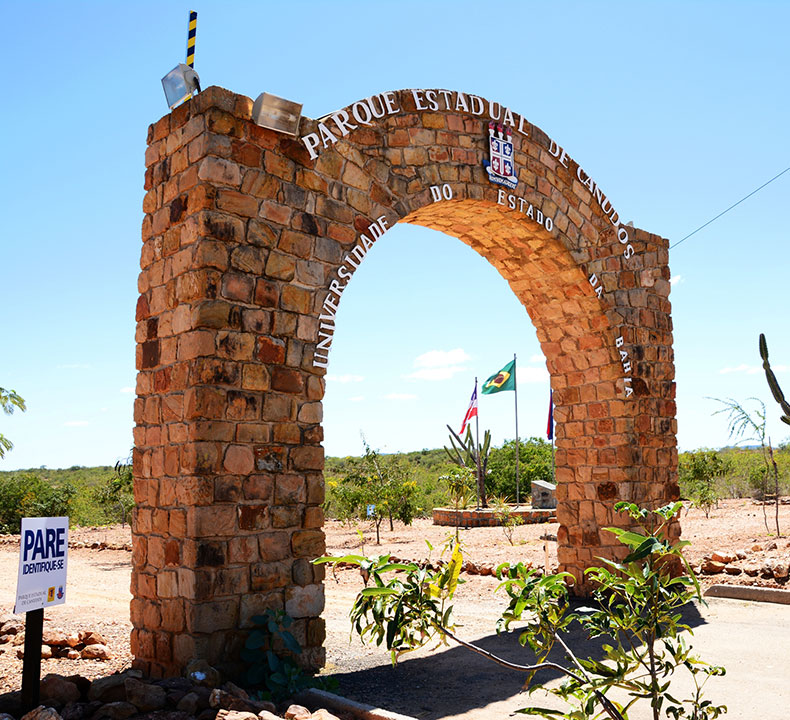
(99, 587)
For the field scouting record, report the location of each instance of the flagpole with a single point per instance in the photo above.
(477, 448)
(551, 409)
(515, 397)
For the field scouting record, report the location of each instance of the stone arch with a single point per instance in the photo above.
(249, 239)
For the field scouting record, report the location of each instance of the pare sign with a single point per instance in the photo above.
(43, 559)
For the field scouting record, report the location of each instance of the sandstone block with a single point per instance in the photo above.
(308, 543)
(305, 601)
(219, 171)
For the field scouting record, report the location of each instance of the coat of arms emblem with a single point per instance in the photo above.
(501, 167)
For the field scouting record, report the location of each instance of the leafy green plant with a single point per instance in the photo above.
(116, 494)
(639, 604)
(459, 481)
(9, 401)
(406, 610)
(506, 518)
(698, 472)
(270, 651)
(744, 425)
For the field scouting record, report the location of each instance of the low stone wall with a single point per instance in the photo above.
(487, 517)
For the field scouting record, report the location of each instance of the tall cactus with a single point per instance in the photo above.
(467, 454)
(776, 391)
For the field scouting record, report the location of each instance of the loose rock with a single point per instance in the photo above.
(108, 689)
(712, 567)
(91, 637)
(116, 711)
(54, 637)
(723, 557)
(96, 652)
(322, 714)
(236, 715)
(56, 690)
(144, 697)
(201, 673)
(42, 713)
(297, 712)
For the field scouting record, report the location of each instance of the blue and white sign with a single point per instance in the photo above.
(43, 560)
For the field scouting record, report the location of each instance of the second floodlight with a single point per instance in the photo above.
(276, 113)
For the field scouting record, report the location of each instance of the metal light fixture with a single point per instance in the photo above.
(276, 113)
(179, 85)
(182, 81)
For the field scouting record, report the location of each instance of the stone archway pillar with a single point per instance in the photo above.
(227, 458)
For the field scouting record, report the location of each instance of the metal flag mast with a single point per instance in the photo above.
(550, 431)
(480, 501)
(515, 397)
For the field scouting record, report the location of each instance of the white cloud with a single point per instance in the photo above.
(400, 396)
(742, 368)
(439, 373)
(531, 374)
(676, 280)
(76, 423)
(440, 358)
(344, 378)
(537, 359)
(127, 389)
(357, 398)
(439, 364)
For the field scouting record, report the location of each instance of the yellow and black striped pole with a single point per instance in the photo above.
(191, 38)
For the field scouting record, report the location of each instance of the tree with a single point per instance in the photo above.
(377, 487)
(697, 473)
(534, 464)
(742, 426)
(117, 493)
(9, 400)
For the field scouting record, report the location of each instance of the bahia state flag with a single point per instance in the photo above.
(505, 379)
(471, 411)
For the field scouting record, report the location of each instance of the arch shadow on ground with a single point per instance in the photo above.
(454, 681)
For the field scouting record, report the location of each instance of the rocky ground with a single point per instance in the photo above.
(732, 546)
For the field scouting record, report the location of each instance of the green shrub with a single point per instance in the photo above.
(30, 496)
(534, 464)
(697, 475)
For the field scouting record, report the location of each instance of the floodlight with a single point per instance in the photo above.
(179, 84)
(276, 113)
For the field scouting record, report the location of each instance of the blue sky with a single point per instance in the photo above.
(676, 109)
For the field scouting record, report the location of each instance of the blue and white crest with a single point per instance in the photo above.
(501, 168)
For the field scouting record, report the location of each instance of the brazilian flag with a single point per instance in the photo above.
(505, 379)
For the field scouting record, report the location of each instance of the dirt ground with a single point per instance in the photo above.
(99, 600)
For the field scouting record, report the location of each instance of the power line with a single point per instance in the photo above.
(730, 208)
